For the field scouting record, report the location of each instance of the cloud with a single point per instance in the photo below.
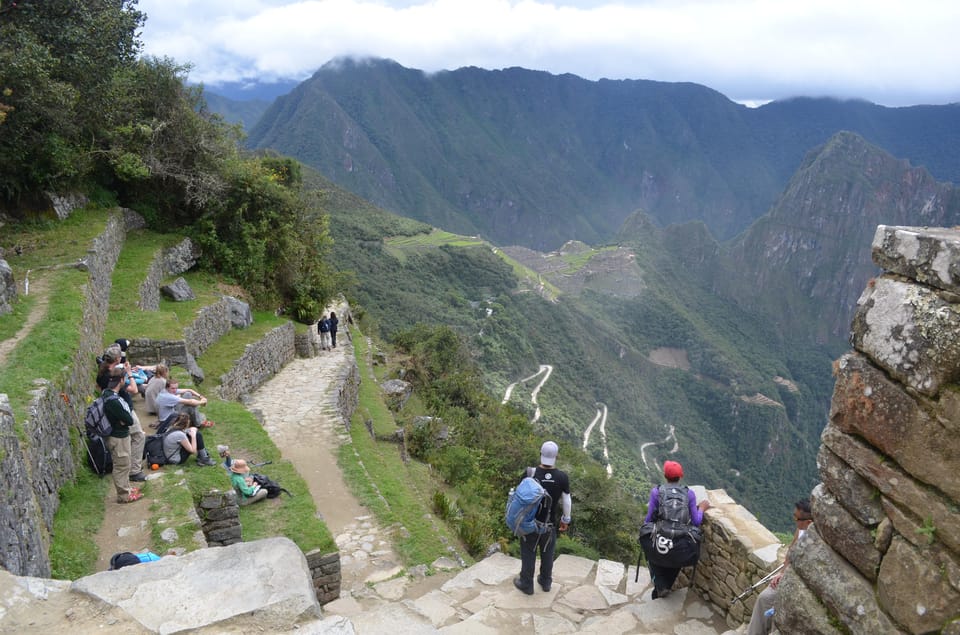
(886, 51)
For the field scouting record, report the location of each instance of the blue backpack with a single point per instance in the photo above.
(524, 502)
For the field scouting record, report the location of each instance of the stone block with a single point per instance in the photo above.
(854, 492)
(229, 512)
(846, 593)
(897, 485)
(842, 531)
(234, 532)
(915, 586)
(930, 255)
(911, 332)
(798, 611)
(923, 437)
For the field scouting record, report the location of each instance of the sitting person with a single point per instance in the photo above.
(155, 386)
(247, 490)
(183, 441)
(172, 401)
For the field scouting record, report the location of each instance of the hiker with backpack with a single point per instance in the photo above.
(111, 360)
(547, 522)
(670, 535)
(121, 420)
(248, 490)
(323, 329)
(761, 620)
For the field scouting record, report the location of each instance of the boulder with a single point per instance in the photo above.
(266, 580)
(8, 288)
(841, 530)
(240, 314)
(181, 258)
(178, 291)
(930, 255)
(396, 392)
(919, 587)
(64, 204)
(911, 332)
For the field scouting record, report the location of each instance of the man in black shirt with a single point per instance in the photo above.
(557, 485)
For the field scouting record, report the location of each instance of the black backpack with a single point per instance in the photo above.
(153, 449)
(95, 420)
(98, 456)
(273, 488)
(673, 511)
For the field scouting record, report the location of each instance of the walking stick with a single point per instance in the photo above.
(762, 580)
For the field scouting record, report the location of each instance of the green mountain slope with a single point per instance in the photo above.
(529, 158)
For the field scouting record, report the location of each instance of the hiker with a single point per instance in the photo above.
(109, 362)
(333, 322)
(670, 536)
(184, 441)
(121, 420)
(323, 328)
(172, 401)
(557, 484)
(155, 386)
(761, 620)
(247, 490)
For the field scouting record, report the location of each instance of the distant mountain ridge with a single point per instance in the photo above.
(525, 157)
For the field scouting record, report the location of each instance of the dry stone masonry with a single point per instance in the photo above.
(883, 555)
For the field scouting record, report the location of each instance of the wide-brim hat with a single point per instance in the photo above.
(239, 467)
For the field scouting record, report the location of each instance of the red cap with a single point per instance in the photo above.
(672, 470)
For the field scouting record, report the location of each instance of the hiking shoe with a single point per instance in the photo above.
(137, 495)
(528, 589)
(662, 593)
(544, 584)
(139, 476)
(204, 461)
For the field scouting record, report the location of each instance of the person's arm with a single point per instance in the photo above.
(190, 442)
(566, 503)
(652, 505)
(194, 402)
(696, 510)
(116, 411)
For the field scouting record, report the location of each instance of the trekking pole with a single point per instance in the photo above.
(762, 580)
(636, 577)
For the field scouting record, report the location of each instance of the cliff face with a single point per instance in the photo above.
(884, 553)
(807, 260)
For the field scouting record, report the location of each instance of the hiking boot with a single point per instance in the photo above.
(204, 460)
(544, 584)
(139, 477)
(526, 588)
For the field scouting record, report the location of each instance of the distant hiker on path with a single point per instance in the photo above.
(333, 322)
(323, 328)
(761, 621)
(670, 535)
(557, 485)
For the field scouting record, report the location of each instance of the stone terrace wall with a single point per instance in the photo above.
(883, 555)
(260, 361)
(38, 461)
(737, 551)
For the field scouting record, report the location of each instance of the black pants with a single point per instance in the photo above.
(529, 546)
(184, 455)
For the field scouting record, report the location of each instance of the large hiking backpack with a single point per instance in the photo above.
(273, 488)
(95, 421)
(98, 456)
(673, 512)
(524, 503)
(153, 449)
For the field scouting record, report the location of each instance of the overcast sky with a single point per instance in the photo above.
(891, 52)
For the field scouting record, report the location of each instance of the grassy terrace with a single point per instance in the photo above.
(403, 491)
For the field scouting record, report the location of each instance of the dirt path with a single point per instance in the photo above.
(39, 288)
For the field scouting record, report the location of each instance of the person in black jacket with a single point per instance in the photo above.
(333, 321)
(121, 420)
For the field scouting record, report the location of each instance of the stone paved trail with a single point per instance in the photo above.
(298, 409)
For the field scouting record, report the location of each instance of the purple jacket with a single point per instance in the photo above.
(696, 516)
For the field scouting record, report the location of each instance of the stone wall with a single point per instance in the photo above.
(260, 361)
(43, 458)
(8, 287)
(737, 551)
(883, 555)
(325, 571)
(220, 518)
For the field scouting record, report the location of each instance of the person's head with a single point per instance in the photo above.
(239, 466)
(672, 471)
(172, 385)
(548, 454)
(117, 375)
(182, 422)
(161, 370)
(333, 315)
(802, 514)
(112, 354)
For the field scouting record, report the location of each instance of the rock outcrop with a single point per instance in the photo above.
(883, 555)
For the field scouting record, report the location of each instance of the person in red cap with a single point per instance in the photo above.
(670, 535)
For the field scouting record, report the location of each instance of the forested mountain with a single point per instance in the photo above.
(529, 158)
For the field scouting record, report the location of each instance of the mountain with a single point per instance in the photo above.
(246, 112)
(530, 158)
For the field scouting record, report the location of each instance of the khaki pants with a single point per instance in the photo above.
(120, 450)
(137, 441)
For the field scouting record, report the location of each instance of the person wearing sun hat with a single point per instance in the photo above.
(557, 484)
(247, 490)
(670, 543)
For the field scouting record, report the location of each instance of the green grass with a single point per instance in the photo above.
(49, 349)
(11, 323)
(73, 552)
(400, 246)
(376, 473)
